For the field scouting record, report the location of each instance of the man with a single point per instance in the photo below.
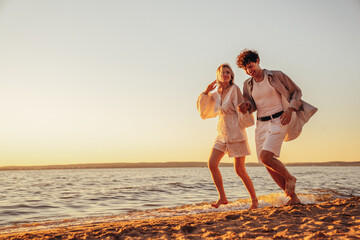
(281, 115)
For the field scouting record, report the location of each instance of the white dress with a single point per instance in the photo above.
(231, 136)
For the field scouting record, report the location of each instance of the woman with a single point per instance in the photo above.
(231, 137)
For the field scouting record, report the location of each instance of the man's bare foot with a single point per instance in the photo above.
(219, 202)
(254, 204)
(293, 200)
(290, 186)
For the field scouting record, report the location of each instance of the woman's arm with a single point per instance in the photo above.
(206, 104)
(248, 104)
(245, 118)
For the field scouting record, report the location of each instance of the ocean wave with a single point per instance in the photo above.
(273, 199)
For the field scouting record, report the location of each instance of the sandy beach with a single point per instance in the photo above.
(337, 219)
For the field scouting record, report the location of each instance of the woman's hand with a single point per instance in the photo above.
(243, 107)
(286, 116)
(211, 87)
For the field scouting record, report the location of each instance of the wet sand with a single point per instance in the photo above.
(338, 219)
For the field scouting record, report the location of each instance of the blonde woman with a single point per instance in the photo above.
(231, 138)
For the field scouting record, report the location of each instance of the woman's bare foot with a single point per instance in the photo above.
(290, 186)
(254, 204)
(219, 202)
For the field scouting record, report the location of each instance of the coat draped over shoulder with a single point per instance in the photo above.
(291, 97)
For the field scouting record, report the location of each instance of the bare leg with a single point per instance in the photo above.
(277, 178)
(241, 172)
(293, 199)
(273, 164)
(213, 165)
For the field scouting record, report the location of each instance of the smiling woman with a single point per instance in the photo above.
(231, 137)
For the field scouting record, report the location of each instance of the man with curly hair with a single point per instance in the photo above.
(281, 115)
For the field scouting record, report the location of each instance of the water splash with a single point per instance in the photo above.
(273, 199)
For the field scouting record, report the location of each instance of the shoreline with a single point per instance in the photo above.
(164, 165)
(335, 219)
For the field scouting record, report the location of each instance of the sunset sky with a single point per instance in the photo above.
(117, 81)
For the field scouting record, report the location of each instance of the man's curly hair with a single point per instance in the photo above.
(245, 57)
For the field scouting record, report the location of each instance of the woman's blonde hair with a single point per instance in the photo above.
(219, 72)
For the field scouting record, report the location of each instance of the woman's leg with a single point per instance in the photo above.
(213, 165)
(241, 172)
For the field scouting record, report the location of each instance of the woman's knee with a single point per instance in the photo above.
(213, 165)
(240, 171)
(240, 166)
(214, 160)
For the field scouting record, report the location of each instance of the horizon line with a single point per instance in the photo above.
(164, 165)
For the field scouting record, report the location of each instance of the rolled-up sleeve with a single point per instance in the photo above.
(247, 96)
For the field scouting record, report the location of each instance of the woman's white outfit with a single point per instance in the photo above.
(231, 138)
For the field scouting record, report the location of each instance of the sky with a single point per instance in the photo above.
(117, 81)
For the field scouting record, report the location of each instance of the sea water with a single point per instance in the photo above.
(52, 198)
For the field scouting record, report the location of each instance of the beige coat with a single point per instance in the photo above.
(291, 97)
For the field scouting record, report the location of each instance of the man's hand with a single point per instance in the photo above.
(243, 107)
(286, 116)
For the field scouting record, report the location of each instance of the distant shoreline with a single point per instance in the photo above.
(164, 165)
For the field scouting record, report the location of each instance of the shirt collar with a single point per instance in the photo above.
(251, 82)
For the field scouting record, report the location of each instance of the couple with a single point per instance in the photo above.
(280, 116)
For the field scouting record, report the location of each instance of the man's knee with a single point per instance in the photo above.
(266, 157)
(240, 171)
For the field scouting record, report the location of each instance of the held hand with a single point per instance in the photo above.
(243, 107)
(211, 87)
(286, 117)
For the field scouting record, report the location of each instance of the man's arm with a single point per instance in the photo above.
(247, 98)
(294, 91)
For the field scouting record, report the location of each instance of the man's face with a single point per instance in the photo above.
(253, 69)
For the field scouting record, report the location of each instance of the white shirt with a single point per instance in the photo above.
(267, 99)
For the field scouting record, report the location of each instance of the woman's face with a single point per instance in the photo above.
(225, 75)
